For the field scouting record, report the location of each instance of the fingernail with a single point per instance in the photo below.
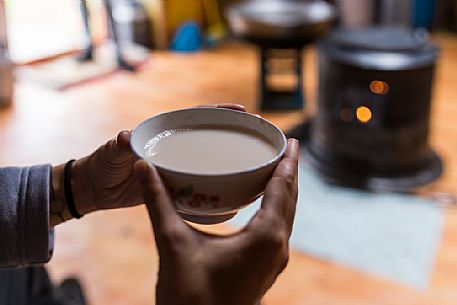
(294, 141)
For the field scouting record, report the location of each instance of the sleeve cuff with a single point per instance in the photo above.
(39, 238)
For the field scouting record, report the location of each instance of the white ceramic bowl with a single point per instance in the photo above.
(211, 198)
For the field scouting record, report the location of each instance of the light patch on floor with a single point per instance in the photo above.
(389, 235)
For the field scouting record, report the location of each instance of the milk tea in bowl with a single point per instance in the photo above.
(213, 161)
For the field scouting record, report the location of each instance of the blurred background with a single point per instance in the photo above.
(368, 86)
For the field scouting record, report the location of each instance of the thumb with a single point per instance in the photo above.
(123, 142)
(160, 206)
(117, 150)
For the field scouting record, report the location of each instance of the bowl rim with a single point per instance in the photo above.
(277, 157)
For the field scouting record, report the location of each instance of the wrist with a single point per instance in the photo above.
(58, 207)
(81, 189)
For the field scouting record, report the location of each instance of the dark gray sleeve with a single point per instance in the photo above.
(25, 236)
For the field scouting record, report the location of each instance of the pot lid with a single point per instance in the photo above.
(390, 39)
(381, 48)
(282, 13)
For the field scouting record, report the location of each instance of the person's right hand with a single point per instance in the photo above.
(197, 268)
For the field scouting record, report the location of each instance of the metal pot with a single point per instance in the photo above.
(276, 21)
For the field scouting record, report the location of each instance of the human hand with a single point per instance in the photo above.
(203, 269)
(104, 179)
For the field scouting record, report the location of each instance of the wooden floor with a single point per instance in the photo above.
(113, 252)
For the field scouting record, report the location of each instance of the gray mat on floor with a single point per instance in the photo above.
(389, 235)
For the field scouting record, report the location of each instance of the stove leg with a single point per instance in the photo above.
(277, 99)
(263, 90)
(300, 96)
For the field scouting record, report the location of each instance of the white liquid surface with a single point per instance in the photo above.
(209, 150)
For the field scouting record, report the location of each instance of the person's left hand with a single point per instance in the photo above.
(201, 268)
(104, 179)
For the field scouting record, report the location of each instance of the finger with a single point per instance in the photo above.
(123, 142)
(235, 107)
(287, 169)
(280, 198)
(160, 206)
(226, 106)
(118, 148)
(232, 106)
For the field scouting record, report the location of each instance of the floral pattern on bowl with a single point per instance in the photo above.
(186, 196)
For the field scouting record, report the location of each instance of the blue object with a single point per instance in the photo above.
(424, 11)
(188, 38)
(389, 235)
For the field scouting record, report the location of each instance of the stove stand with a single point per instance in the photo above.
(281, 79)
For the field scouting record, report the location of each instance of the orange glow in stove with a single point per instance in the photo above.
(364, 114)
(379, 87)
(346, 114)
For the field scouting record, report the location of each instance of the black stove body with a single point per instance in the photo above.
(371, 129)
